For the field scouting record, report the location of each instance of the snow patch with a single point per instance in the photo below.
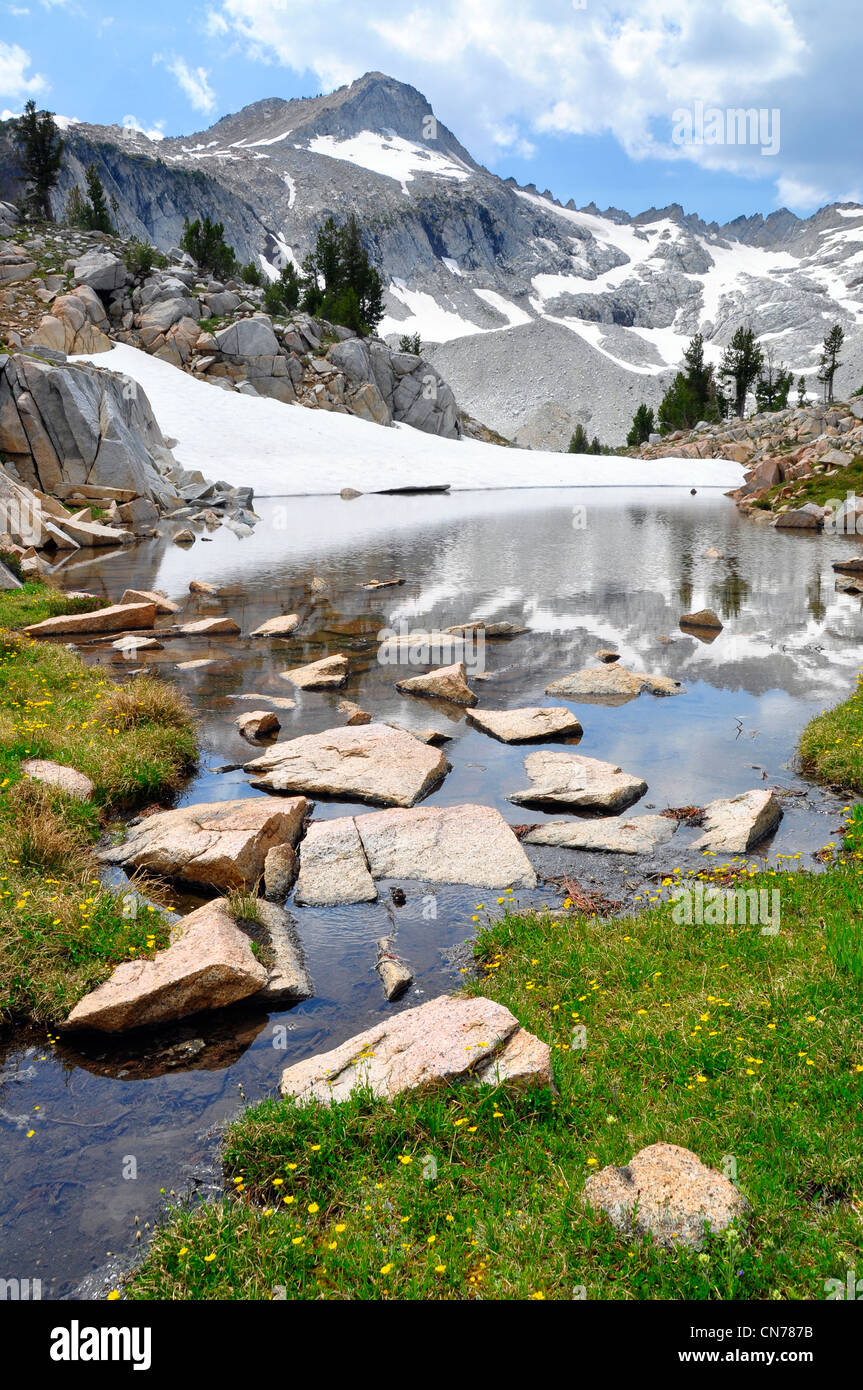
(289, 450)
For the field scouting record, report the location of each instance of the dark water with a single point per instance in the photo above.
(617, 574)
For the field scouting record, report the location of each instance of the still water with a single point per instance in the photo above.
(579, 570)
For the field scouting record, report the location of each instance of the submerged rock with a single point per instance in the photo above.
(396, 977)
(667, 1192)
(440, 1043)
(209, 965)
(566, 779)
(375, 763)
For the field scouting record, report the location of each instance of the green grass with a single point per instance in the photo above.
(60, 931)
(37, 601)
(743, 1047)
(831, 745)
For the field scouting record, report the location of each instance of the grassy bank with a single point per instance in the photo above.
(831, 746)
(744, 1047)
(60, 932)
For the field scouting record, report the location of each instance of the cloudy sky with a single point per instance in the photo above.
(585, 97)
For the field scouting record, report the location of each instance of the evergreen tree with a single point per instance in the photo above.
(773, 385)
(693, 395)
(412, 343)
(579, 443)
(741, 365)
(642, 426)
(830, 359)
(283, 295)
(96, 215)
(801, 391)
(339, 282)
(205, 243)
(41, 149)
(698, 374)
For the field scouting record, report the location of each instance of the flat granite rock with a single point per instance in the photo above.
(210, 627)
(612, 834)
(567, 779)
(327, 674)
(613, 683)
(530, 725)
(333, 867)
(667, 1192)
(220, 844)
(162, 602)
(117, 617)
(441, 1043)
(445, 844)
(209, 964)
(373, 763)
(277, 627)
(734, 825)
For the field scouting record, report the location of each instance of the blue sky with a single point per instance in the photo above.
(594, 99)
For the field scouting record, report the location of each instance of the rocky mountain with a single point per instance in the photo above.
(540, 315)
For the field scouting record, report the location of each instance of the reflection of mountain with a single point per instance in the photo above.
(620, 580)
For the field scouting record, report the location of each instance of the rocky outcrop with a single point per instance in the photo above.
(666, 1192)
(208, 965)
(565, 779)
(374, 763)
(736, 824)
(220, 844)
(72, 423)
(443, 1043)
(782, 449)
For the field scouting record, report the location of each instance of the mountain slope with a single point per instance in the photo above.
(586, 312)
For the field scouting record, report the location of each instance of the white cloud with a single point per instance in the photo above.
(193, 81)
(503, 72)
(155, 132)
(14, 79)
